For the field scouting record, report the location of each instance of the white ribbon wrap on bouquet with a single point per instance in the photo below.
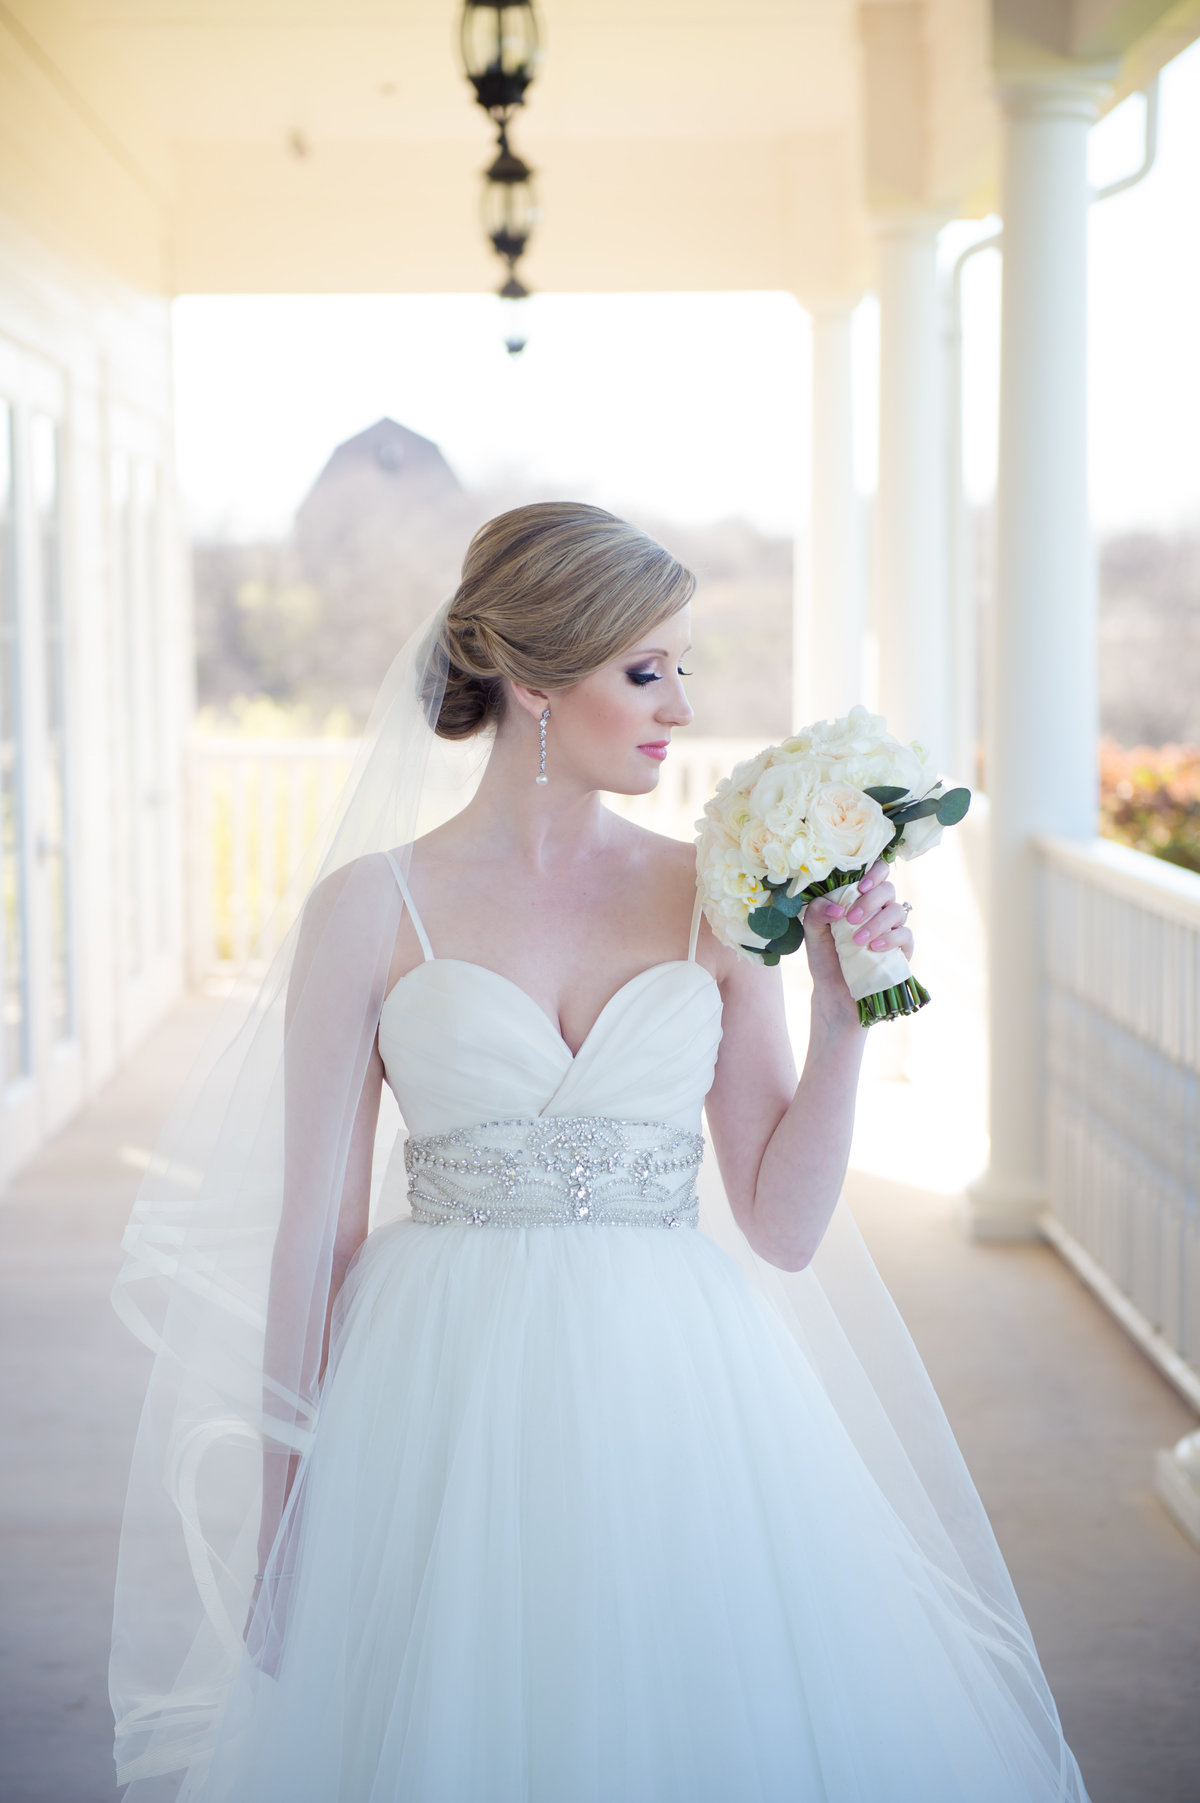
(866, 972)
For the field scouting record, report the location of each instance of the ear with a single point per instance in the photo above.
(533, 701)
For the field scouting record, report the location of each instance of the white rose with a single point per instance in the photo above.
(856, 732)
(920, 836)
(858, 749)
(780, 798)
(743, 776)
(848, 827)
(894, 765)
(730, 813)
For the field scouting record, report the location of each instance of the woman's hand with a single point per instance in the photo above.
(880, 921)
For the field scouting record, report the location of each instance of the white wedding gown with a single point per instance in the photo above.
(579, 1524)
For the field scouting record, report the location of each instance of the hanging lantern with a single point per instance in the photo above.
(510, 209)
(499, 41)
(514, 312)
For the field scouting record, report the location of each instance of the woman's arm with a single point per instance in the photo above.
(332, 1084)
(783, 1146)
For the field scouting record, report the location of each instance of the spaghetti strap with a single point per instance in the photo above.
(422, 935)
(695, 933)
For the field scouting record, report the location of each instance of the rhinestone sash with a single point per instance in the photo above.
(581, 1170)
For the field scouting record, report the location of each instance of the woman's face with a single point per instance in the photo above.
(611, 731)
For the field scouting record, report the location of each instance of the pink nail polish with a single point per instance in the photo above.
(835, 913)
(855, 914)
(860, 938)
(877, 945)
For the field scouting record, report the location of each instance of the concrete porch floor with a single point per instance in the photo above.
(1058, 1414)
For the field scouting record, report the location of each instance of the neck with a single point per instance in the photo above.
(540, 825)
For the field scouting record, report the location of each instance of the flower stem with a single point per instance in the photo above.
(890, 1004)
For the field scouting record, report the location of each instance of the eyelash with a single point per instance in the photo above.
(642, 677)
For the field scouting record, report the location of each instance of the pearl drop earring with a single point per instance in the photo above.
(541, 775)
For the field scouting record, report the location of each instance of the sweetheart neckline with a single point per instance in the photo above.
(637, 977)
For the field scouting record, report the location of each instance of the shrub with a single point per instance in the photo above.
(1150, 799)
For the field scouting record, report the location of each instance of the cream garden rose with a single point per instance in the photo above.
(847, 827)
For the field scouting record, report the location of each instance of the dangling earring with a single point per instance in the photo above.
(541, 775)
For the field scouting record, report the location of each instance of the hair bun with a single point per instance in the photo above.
(473, 696)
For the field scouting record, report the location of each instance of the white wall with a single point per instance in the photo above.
(82, 350)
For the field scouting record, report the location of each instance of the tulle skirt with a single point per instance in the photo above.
(581, 1526)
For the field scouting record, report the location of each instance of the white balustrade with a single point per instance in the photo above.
(1121, 988)
(254, 807)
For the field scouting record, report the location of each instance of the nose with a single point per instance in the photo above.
(676, 709)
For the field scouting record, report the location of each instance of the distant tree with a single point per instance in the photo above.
(1150, 638)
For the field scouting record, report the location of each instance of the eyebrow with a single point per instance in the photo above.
(657, 651)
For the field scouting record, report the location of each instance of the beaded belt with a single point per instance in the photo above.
(564, 1172)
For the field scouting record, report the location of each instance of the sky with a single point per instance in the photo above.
(692, 407)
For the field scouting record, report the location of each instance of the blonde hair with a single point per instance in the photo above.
(549, 593)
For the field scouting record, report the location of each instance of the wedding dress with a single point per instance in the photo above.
(579, 1522)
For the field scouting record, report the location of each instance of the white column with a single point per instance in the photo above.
(1041, 759)
(909, 552)
(829, 653)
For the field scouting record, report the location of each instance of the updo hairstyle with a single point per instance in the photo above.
(548, 594)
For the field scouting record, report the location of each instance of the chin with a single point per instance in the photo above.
(635, 782)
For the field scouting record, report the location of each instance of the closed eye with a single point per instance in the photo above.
(642, 677)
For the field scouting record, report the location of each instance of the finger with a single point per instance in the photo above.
(881, 926)
(874, 876)
(880, 897)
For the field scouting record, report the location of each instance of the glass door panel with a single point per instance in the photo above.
(56, 811)
(14, 982)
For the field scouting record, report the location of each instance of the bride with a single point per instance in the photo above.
(524, 1489)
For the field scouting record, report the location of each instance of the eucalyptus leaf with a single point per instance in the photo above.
(767, 922)
(953, 806)
(920, 810)
(791, 940)
(885, 794)
(789, 904)
(770, 957)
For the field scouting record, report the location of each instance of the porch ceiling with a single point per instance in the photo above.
(309, 145)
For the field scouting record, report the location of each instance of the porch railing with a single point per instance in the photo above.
(1122, 989)
(256, 804)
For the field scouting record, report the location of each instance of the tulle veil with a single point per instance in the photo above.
(232, 1251)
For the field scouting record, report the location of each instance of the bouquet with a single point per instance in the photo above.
(808, 818)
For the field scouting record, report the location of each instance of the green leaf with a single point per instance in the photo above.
(790, 904)
(791, 940)
(770, 957)
(885, 794)
(920, 810)
(767, 922)
(953, 806)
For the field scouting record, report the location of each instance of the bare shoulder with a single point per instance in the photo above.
(362, 890)
(670, 863)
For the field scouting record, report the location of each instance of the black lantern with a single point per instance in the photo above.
(499, 40)
(509, 203)
(514, 305)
